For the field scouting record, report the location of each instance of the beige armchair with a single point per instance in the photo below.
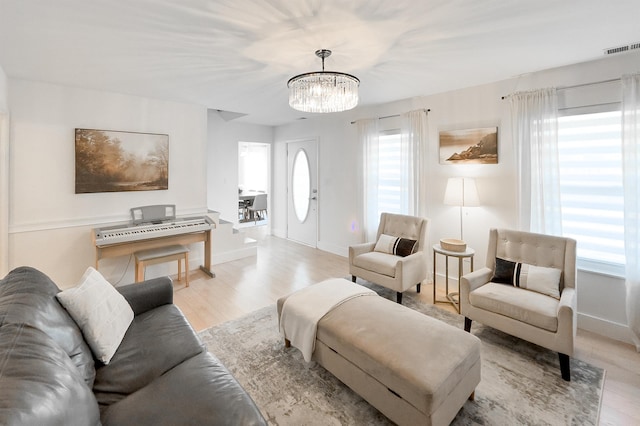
(538, 313)
(372, 262)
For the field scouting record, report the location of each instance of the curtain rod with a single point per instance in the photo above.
(392, 116)
(611, 80)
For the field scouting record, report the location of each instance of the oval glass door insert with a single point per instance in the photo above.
(301, 184)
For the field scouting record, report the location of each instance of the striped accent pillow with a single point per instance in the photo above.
(395, 245)
(535, 278)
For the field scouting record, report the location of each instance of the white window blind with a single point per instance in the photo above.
(389, 177)
(591, 188)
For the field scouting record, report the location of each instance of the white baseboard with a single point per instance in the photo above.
(605, 328)
(230, 255)
(334, 248)
(278, 232)
(441, 278)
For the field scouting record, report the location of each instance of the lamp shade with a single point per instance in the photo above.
(461, 192)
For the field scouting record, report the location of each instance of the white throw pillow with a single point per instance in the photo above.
(395, 245)
(100, 311)
(385, 244)
(541, 279)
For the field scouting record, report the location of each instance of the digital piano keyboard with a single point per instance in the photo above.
(128, 233)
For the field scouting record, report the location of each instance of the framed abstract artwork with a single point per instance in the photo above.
(470, 146)
(116, 161)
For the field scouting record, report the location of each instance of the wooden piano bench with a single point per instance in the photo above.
(177, 252)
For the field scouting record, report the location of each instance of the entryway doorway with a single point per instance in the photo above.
(253, 183)
(302, 194)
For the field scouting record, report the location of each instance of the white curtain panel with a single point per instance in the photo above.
(4, 194)
(631, 179)
(534, 120)
(369, 137)
(413, 139)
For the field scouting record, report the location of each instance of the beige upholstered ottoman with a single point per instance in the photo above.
(411, 367)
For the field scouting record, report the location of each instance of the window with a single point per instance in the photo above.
(590, 157)
(390, 169)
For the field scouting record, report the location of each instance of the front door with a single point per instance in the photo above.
(302, 192)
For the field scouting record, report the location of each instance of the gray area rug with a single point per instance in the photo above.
(521, 383)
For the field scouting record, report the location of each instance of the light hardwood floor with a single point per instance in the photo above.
(282, 266)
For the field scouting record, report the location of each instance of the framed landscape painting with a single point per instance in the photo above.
(115, 161)
(471, 146)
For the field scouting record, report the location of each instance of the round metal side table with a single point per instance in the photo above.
(460, 255)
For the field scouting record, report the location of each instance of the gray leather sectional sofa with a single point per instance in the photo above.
(160, 375)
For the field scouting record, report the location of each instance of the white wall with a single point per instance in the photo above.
(601, 300)
(222, 161)
(50, 225)
(337, 175)
(338, 169)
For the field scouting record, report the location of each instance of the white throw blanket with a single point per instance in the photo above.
(303, 309)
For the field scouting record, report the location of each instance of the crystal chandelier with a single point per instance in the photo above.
(323, 91)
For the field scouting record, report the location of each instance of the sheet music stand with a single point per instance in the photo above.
(157, 213)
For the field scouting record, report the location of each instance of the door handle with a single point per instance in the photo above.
(313, 198)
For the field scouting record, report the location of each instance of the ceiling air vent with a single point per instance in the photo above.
(620, 49)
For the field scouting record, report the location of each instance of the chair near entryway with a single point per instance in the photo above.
(258, 207)
(242, 209)
(398, 258)
(527, 289)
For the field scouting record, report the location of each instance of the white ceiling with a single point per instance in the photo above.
(237, 55)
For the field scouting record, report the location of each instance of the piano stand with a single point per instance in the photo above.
(207, 271)
(128, 248)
